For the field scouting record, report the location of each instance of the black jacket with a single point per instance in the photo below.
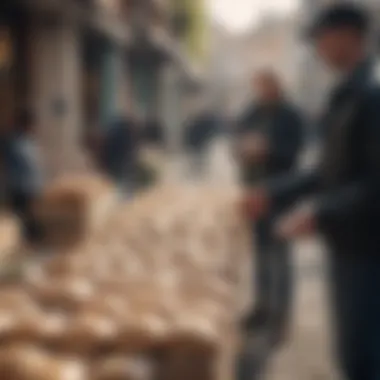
(119, 153)
(200, 131)
(346, 184)
(283, 126)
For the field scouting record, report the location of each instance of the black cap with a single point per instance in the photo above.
(340, 16)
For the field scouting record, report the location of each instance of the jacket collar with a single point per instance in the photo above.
(358, 80)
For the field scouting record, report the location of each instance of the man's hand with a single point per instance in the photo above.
(254, 148)
(301, 222)
(256, 203)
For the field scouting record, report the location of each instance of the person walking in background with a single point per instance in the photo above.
(23, 172)
(340, 197)
(153, 132)
(268, 141)
(199, 132)
(115, 150)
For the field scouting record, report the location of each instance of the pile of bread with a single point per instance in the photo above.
(153, 295)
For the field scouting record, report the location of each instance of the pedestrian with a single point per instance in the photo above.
(340, 197)
(200, 131)
(268, 141)
(154, 133)
(117, 153)
(23, 172)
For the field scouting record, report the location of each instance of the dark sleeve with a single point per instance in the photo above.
(354, 200)
(288, 141)
(289, 188)
(245, 122)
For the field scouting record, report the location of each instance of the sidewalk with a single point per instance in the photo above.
(307, 355)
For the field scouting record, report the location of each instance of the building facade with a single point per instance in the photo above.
(48, 57)
(79, 64)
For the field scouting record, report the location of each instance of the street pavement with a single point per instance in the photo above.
(307, 355)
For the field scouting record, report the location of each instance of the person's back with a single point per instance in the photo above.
(120, 142)
(200, 131)
(23, 171)
(23, 164)
(269, 133)
(119, 151)
(154, 133)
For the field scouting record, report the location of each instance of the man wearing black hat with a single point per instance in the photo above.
(343, 190)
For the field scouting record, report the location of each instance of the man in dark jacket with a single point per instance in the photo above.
(23, 172)
(117, 152)
(344, 190)
(120, 145)
(199, 132)
(269, 138)
(153, 132)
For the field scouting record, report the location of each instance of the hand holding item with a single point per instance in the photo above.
(256, 203)
(254, 147)
(301, 222)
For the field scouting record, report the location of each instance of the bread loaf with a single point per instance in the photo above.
(161, 279)
(123, 368)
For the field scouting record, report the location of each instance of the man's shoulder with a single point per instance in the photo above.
(373, 84)
(372, 94)
(292, 108)
(248, 113)
(292, 112)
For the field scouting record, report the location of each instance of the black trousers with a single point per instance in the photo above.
(355, 304)
(273, 273)
(21, 204)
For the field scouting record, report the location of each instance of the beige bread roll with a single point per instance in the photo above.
(141, 332)
(186, 364)
(67, 293)
(194, 332)
(113, 306)
(89, 332)
(123, 368)
(24, 362)
(52, 328)
(63, 265)
(14, 295)
(46, 329)
(7, 324)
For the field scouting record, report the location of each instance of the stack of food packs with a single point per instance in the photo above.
(153, 295)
